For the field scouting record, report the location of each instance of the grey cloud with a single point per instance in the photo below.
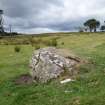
(25, 8)
(61, 15)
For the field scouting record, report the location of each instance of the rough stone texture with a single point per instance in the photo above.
(50, 63)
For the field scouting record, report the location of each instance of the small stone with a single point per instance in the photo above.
(66, 81)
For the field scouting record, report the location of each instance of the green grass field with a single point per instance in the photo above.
(88, 89)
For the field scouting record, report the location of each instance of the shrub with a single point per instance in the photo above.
(47, 43)
(1, 37)
(62, 43)
(34, 41)
(37, 47)
(54, 42)
(26, 42)
(17, 49)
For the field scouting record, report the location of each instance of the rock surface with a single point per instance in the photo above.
(50, 63)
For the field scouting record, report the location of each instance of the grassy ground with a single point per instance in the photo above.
(88, 89)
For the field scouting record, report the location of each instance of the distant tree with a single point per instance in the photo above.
(102, 28)
(82, 29)
(92, 24)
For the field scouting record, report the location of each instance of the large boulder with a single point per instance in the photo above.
(51, 63)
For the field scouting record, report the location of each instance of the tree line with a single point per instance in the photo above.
(92, 25)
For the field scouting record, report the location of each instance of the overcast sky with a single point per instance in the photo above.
(38, 16)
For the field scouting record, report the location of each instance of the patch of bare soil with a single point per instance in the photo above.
(24, 79)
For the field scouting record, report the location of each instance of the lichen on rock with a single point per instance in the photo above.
(49, 63)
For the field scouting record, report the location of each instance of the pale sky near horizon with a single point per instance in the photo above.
(38, 16)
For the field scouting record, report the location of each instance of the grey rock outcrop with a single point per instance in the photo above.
(50, 63)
